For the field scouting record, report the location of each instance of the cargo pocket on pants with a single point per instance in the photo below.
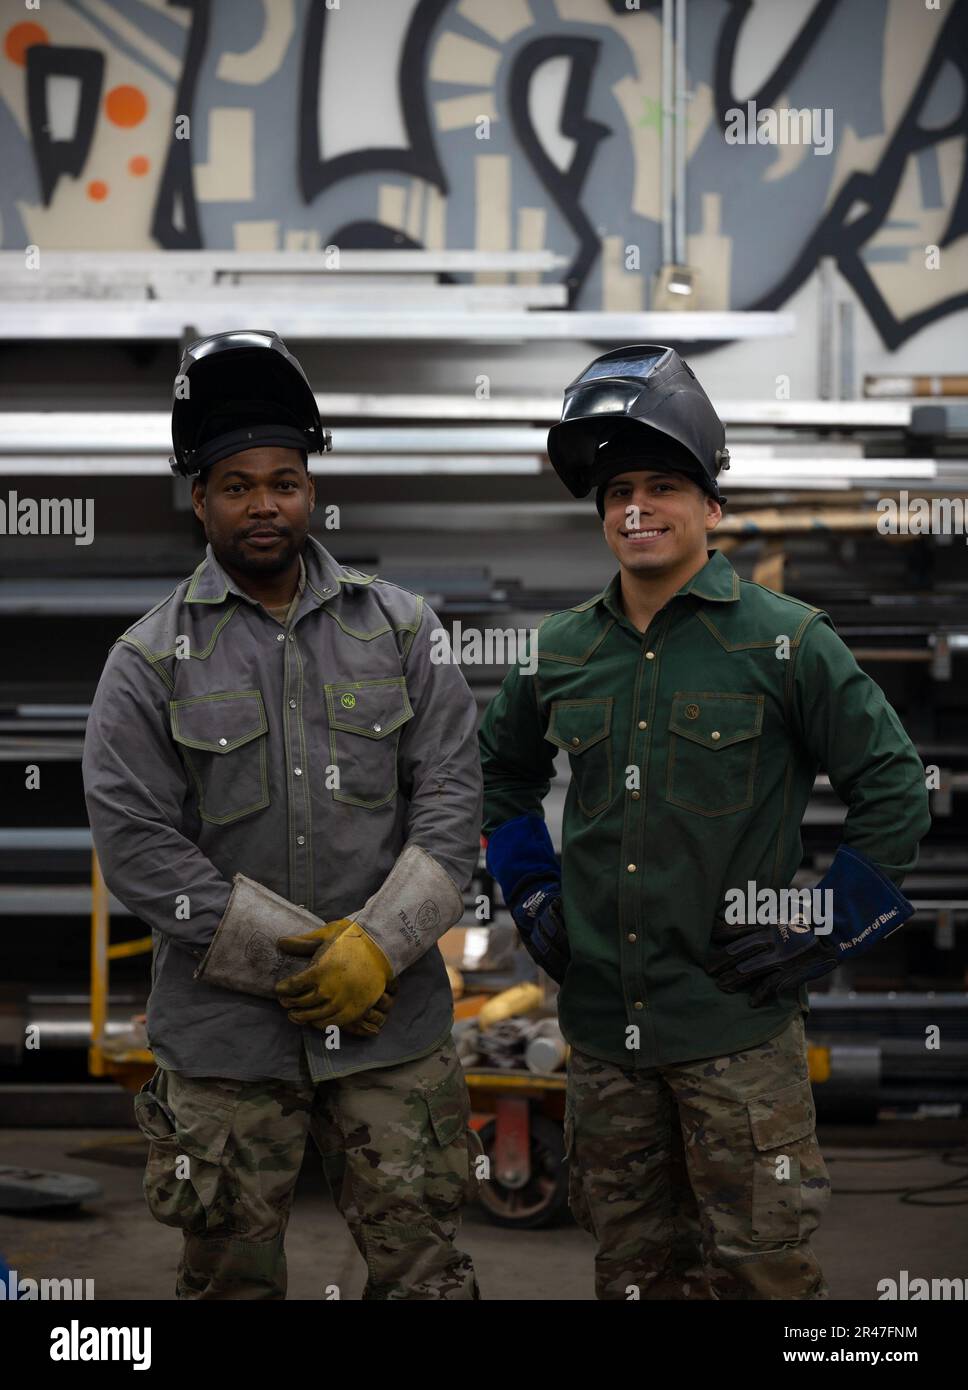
(786, 1155)
(187, 1124)
(452, 1161)
(576, 1192)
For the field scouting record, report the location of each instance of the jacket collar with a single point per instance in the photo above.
(324, 578)
(717, 581)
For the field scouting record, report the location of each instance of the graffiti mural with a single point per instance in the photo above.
(503, 124)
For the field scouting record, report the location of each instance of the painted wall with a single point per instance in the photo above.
(509, 123)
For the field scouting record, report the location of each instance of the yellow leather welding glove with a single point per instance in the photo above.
(373, 1020)
(347, 977)
(307, 944)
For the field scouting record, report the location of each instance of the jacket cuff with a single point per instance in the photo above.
(244, 953)
(416, 904)
(867, 906)
(521, 856)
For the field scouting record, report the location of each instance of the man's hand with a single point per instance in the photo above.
(348, 981)
(373, 1020)
(309, 943)
(769, 959)
(866, 907)
(522, 858)
(541, 924)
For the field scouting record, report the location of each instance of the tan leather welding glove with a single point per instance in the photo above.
(307, 944)
(347, 977)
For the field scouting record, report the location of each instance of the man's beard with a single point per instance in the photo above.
(245, 560)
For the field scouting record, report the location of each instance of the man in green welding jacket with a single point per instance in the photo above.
(696, 710)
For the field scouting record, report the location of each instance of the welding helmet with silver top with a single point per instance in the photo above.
(637, 407)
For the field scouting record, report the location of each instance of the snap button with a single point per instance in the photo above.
(281, 637)
(715, 734)
(636, 795)
(300, 839)
(222, 742)
(632, 936)
(576, 741)
(638, 1004)
(631, 868)
(292, 704)
(692, 711)
(377, 728)
(643, 724)
(650, 656)
(297, 771)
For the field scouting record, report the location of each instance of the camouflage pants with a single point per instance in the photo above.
(701, 1180)
(396, 1147)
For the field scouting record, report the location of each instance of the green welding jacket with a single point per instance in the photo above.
(693, 749)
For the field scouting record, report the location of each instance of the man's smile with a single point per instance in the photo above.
(645, 535)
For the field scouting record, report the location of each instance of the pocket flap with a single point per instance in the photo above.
(199, 1124)
(579, 724)
(220, 722)
(371, 708)
(447, 1112)
(716, 720)
(152, 1116)
(782, 1117)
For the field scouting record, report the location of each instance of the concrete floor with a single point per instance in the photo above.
(117, 1243)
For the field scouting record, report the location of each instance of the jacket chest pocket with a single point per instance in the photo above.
(714, 742)
(583, 729)
(365, 718)
(223, 739)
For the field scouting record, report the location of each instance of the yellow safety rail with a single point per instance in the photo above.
(818, 1063)
(106, 1056)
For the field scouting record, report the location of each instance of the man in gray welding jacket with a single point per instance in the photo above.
(285, 786)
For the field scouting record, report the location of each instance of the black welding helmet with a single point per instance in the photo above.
(636, 407)
(237, 390)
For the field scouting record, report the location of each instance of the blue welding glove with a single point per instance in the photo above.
(522, 858)
(867, 906)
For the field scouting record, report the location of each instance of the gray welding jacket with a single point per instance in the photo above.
(305, 757)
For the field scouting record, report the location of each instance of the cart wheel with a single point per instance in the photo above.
(544, 1197)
